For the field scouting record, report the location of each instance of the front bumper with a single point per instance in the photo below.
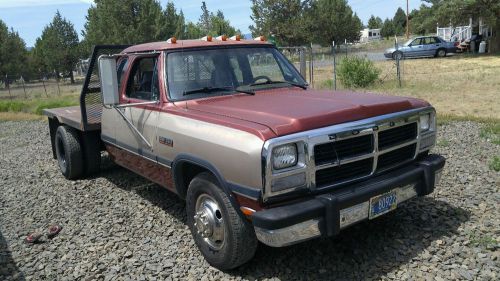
(327, 214)
(388, 55)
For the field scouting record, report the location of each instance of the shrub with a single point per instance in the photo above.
(357, 72)
(495, 164)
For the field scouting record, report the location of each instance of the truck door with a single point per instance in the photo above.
(141, 86)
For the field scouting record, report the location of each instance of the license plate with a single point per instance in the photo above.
(382, 204)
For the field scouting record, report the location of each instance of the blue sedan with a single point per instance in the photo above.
(425, 46)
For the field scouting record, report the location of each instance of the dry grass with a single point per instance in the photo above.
(19, 116)
(459, 86)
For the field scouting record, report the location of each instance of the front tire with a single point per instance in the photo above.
(397, 55)
(223, 237)
(69, 152)
(441, 53)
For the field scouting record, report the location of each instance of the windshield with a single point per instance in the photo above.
(202, 73)
(408, 42)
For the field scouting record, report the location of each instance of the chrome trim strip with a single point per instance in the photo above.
(333, 133)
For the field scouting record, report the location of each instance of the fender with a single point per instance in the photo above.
(183, 158)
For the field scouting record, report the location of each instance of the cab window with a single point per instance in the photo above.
(143, 80)
(121, 70)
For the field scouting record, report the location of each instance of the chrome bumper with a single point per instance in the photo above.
(343, 214)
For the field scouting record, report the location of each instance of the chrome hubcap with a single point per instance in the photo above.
(208, 221)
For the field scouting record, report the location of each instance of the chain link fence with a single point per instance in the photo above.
(319, 65)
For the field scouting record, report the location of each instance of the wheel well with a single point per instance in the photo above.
(53, 125)
(184, 173)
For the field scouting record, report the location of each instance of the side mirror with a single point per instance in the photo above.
(109, 80)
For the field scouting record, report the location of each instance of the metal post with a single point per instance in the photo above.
(24, 88)
(398, 70)
(57, 82)
(44, 88)
(311, 65)
(7, 84)
(302, 57)
(345, 44)
(334, 67)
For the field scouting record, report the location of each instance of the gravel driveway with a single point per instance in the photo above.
(118, 226)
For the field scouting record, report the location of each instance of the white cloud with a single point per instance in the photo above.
(31, 3)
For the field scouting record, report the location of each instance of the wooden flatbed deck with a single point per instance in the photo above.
(71, 116)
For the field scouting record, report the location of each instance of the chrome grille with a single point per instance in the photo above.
(397, 135)
(344, 149)
(379, 148)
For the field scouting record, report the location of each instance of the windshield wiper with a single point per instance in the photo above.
(269, 82)
(209, 90)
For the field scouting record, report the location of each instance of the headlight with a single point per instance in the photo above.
(285, 156)
(425, 122)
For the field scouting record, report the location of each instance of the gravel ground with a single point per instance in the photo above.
(118, 226)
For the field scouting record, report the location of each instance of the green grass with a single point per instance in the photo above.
(36, 106)
(483, 241)
(495, 164)
(443, 142)
(491, 132)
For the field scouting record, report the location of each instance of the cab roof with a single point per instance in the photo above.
(183, 44)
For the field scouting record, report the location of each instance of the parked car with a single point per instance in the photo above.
(231, 127)
(425, 46)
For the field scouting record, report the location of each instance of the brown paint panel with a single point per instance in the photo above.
(146, 168)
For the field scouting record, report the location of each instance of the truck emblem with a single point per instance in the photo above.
(166, 141)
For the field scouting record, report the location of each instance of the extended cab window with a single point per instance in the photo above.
(201, 73)
(143, 80)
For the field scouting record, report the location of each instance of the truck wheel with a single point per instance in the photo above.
(223, 237)
(441, 53)
(69, 152)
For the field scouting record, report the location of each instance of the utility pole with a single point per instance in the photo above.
(407, 21)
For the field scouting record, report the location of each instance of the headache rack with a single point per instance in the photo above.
(91, 96)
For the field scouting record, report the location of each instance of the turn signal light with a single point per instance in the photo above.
(222, 38)
(247, 211)
(236, 38)
(260, 38)
(172, 40)
(207, 38)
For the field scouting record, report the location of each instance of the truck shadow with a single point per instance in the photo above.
(369, 250)
(8, 268)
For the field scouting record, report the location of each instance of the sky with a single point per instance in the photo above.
(29, 17)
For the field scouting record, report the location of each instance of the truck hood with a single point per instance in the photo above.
(286, 111)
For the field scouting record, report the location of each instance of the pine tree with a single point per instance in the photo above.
(374, 22)
(399, 21)
(123, 22)
(13, 54)
(337, 21)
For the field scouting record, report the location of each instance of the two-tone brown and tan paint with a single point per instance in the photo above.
(228, 131)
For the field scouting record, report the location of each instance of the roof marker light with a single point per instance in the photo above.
(260, 38)
(236, 38)
(172, 40)
(207, 38)
(222, 38)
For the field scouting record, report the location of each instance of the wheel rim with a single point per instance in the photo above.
(398, 56)
(61, 154)
(209, 222)
(441, 53)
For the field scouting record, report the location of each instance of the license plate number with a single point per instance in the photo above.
(382, 204)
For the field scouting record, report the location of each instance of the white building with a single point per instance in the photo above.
(368, 34)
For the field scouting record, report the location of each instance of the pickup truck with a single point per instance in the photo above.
(231, 127)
